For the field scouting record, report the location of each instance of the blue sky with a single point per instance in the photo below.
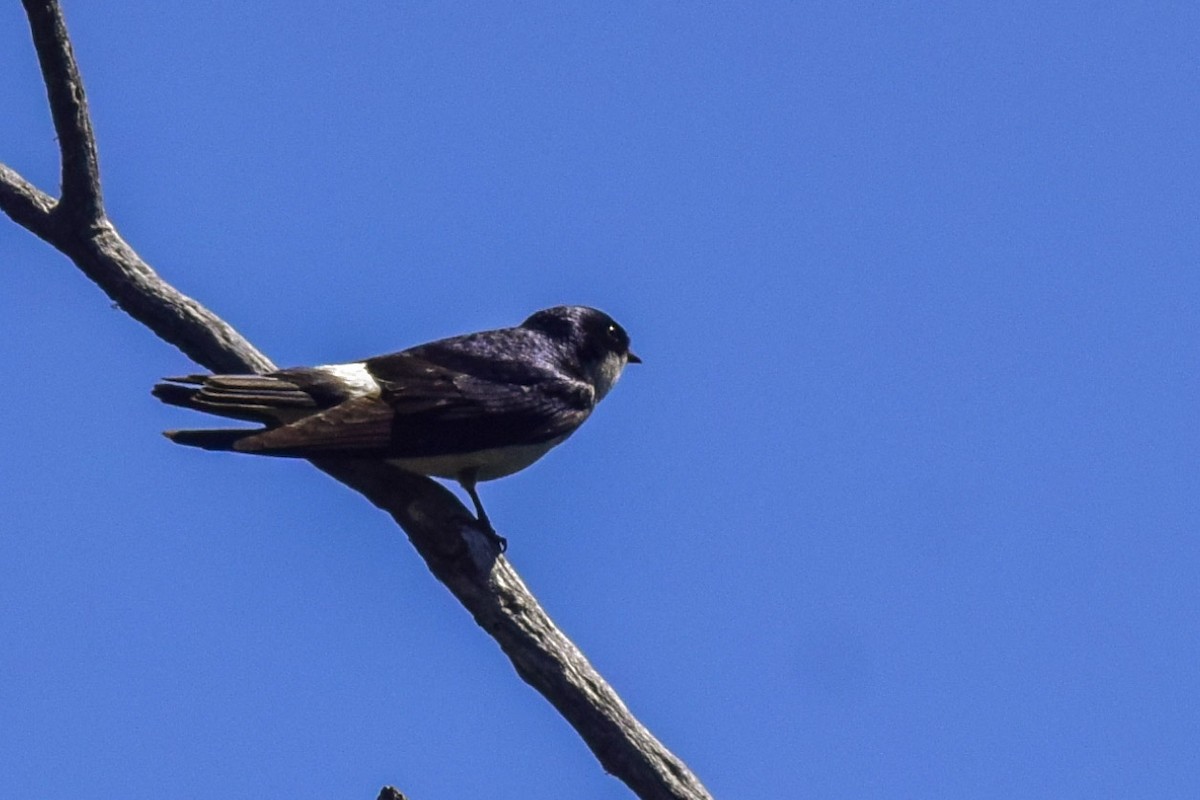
(903, 503)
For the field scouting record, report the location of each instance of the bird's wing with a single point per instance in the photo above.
(426, 408)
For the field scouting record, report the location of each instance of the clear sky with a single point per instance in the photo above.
(904, 501)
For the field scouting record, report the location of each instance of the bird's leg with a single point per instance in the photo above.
(467, 479)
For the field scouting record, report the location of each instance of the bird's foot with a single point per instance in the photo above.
(493, 537)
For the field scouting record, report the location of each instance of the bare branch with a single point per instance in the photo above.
(98, 250)
(26, 204)
(68, 106)
(207, 339)
(440, 528)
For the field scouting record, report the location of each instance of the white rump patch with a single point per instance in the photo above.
(356, 378)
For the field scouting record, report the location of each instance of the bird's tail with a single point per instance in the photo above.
(214, 439)
(178, 393)
(248, 397)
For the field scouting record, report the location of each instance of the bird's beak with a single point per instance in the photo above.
(632, 358)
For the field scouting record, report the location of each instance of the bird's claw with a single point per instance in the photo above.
(495, 538)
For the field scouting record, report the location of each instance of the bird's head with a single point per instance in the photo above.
(591, 338)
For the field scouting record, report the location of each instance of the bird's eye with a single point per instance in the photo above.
(617, 338)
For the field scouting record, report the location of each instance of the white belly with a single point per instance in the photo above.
(491, 464)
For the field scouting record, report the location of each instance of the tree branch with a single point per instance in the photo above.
(440, 528)
(68, 107)
(23, 202)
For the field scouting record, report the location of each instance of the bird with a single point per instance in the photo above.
(468, 408)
